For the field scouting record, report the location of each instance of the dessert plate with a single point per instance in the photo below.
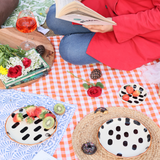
(28, 134)
(124, 137)
(133, 100)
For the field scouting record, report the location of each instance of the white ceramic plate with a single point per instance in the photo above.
(124, 137)
(133, 100)
(27, 134)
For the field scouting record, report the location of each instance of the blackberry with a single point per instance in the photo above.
(40, 49)
(95, 74)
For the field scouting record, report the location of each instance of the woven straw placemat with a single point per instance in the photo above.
(87, 129)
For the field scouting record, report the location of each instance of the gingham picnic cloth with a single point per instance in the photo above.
(61, 85)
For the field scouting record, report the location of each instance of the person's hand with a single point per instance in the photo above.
(99, 28)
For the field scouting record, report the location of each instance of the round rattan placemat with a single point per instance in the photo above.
(87, 130)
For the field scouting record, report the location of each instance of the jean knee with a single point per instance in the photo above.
(67, 50)
(73, 49)
(63, 49)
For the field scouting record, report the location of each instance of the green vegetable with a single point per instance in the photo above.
(6, 52)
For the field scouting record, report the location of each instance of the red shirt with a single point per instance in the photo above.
(136, 37)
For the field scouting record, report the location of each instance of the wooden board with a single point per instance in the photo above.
(14, 38)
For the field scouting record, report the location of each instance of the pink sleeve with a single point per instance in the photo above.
(132, 25)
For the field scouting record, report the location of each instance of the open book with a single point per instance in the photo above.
(75, 11)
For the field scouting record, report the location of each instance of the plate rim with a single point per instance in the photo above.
(123, 156)
(27, 143)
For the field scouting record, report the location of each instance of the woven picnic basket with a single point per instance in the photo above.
(87, 129)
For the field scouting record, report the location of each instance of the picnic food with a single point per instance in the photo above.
(30, 120)
(136, 93)
(48, 122)
(95, 74)
(18, 117)
(40, 49)
(59, 109)
(89, 148)
(49, 115)
(30, 110)
(129, 89)
(101, 109)
(125, 97)
(33, 112)
(40, 112)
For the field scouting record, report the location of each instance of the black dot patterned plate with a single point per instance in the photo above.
(124, 137)
(28, 134)
(133, 100)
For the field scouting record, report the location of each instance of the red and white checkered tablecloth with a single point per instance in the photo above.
(61, 85)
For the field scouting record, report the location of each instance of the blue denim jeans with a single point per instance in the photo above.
(75, 42)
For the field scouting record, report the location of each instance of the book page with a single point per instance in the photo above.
(86, 20)
(75, 8)
(60, 4)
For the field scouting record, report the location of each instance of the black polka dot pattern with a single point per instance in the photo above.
(127, 119)
(127, 123)
(118, 136)
(126, 134)
(140, 140)
(135, 131)
(13, 114)
(102, 126)
(119, 154)
(148, 137)
(118, 128)
(125, 143)
(145, 129)
(99, 134)
(110, 142)
(134, 86)
(110, 132)
(110, 121)
(134, 147)
(136, 122)
(21, 110)
(122, 131)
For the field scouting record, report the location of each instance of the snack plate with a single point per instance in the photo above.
(28, 134)
(133, 100)
(124, 137)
